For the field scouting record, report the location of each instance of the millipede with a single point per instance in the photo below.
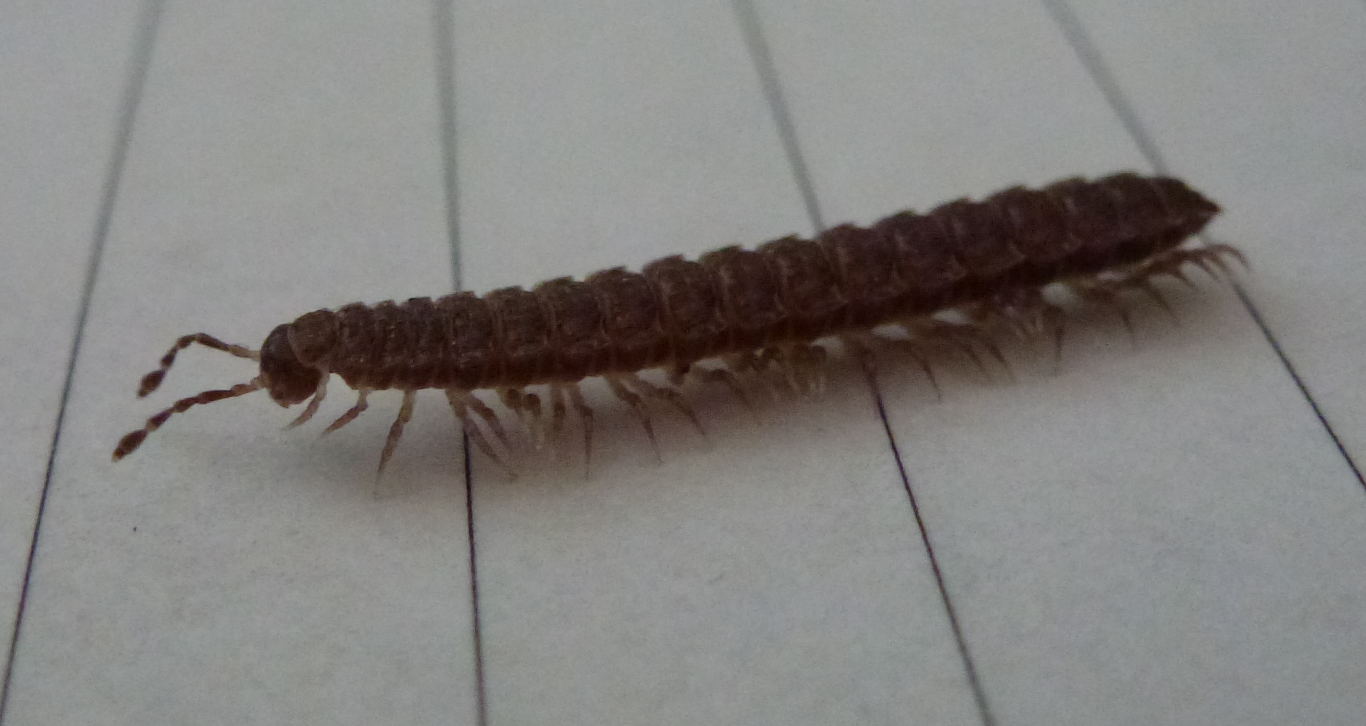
(956, 276)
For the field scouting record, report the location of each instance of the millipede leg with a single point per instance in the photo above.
(557, 416)
(535, 424)
(1056, 320)
(914, 352)
(672, 396)
(1198, 257)
(765, 359)
(513, 398)
(1109, 298)
(461, 402)
(818, 358)
(1219, 248)
(790, 361)
(858, 347)
(638, 406)
(908, 347)
(777, 356)
(1167, 265)
(1143, 284)
(963, 338)
(1103, 291)
(586, 416)
(150, 381)
(806, 366)
(405, 414)
(1180, 274)
(1170, 263)
(351, 413)
(1028, 314)
(313, 403)
(924, 331)
(490, 417)
(984, 338)
(748, 363)
(725, 377)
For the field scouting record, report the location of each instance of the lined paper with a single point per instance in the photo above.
(1170, 530)
(70, 67)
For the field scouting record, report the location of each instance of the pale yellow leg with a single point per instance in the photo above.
(405, 414)
(351, 413)
(461, 402)
(586, 416)
(638, 407)
(670, 395)
(557, 417)
(313, 403)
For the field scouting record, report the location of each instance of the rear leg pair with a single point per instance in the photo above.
(1107, 290)
(1026, 314)
(1212, 258)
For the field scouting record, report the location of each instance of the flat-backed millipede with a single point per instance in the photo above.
(987, 262)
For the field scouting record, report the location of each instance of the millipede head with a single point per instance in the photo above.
(291, 371)
(283, 375)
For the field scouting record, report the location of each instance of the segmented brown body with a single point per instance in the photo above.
(989, 258)
(676, 311)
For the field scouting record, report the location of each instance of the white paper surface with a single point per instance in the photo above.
(1165, 532)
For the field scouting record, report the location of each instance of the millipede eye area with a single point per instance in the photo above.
(286, 379)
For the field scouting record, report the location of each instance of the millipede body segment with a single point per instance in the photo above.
(754, 310)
